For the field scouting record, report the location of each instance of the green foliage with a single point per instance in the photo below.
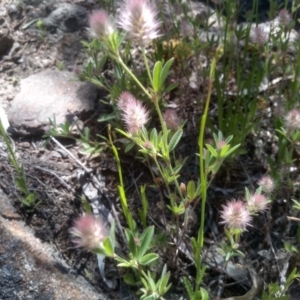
(152, 290)
(275, 291)
(65, 130)
(62, 130)
(198, 295)
(216, 154)
(30, 199)
(160, 74)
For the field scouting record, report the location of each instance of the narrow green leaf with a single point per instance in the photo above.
(164, 271)
(165, 70)
(296, 205)
(160, 140)
(177, 169)
(248, 194)
(128, 278)
(124, 265)
(156, 85)
(162, 283)
(216, 138)
(144, 151)
(258, 190)
(145, 283)
(145, 240)
(232, 149)
(148, 259)
(191, 189)
(108, 247)
(204, 294)
(144, 133)
(212, 150)
(151, 282)
(153, 137)
(131, 243)
(224, 151)
(21, 184)
(106, 117)
(175, 139)
(112, 234)
(129, 147)
(229, 139)
(170, 87)
(173, 178)
(65, 127)
(188, 287)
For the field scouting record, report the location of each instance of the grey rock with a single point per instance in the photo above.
(47, 94)
(65, 16)
(30, 269)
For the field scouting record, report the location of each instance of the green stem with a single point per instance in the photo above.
(120, 61)
(201, 147)
(147, 65)
(121, 188)
(115, 152)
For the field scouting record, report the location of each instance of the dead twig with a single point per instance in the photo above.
(56, 176)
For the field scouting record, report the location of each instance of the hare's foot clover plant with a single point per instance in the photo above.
(139, 23)
(237, 215)
(138, 103)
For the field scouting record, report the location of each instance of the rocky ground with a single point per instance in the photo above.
(36, 73)
(37, 259)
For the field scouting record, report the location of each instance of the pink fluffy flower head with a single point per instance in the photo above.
(101, 24)
(235, 215)
(259, 36)
(284, 17)
(88, 232)
(292, 120)
(134, 114)
(267, 184)
(139, 19)
(257, 202)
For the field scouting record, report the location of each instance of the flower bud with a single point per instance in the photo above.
(182, 188)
